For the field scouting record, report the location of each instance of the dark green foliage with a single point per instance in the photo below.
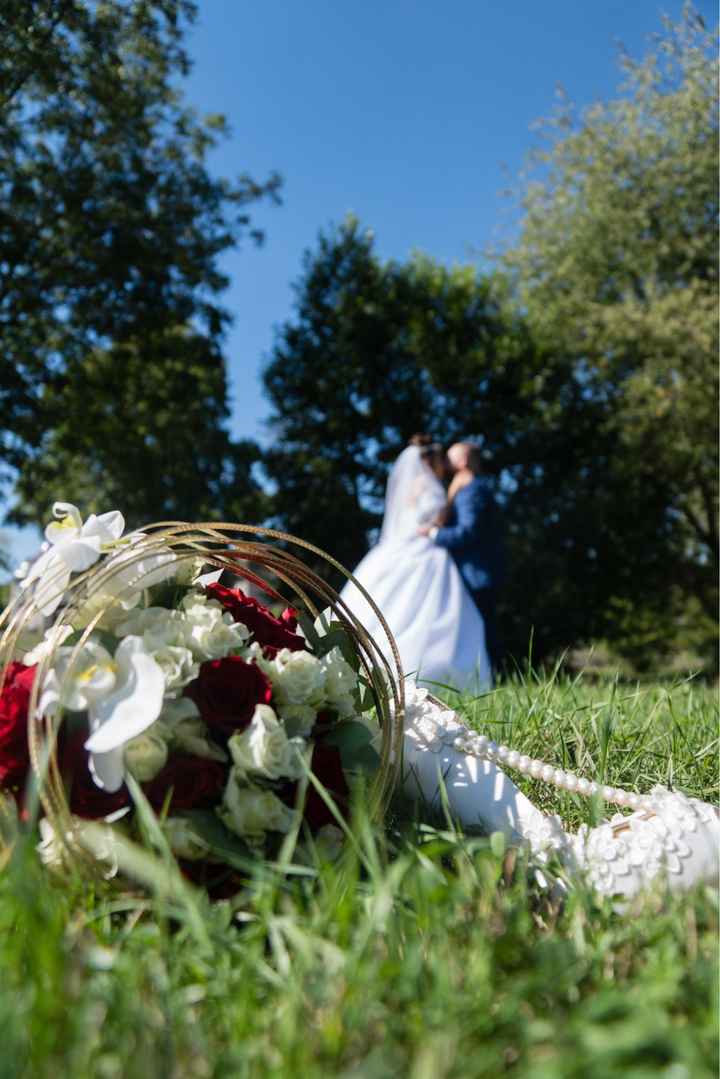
(143, 429)
(110, 232)
(377, 351)
(616, 269)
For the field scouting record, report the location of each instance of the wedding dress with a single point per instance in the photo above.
(437, 627)
(668, 839)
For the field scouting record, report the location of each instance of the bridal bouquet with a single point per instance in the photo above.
(155, 683)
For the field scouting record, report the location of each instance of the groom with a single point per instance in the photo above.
(473, 536)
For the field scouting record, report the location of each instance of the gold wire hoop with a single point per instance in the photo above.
(224, 546)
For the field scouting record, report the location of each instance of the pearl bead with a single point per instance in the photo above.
(634, 801)
(481, 743)
(594, 788)
(558, 777)
(524, 764)
(608, 794)
(536, 769)
(503, 753)
(621, 797)
(491, 751)
(547, 773)
(583, 786)
(512, 758)
(571, 782)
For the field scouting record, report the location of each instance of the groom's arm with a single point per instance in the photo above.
(469, 508)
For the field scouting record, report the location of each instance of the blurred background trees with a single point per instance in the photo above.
(617, 270)
(585, 360)
(111, 228)
(587, 363)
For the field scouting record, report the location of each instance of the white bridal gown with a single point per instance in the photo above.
(437, 627)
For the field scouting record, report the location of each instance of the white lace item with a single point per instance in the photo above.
(669, 838)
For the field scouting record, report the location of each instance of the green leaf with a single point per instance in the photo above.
(222, 842)
(354, 741)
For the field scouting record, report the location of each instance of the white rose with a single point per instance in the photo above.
(210, 631)
(250, 812)
(158, 627)
(178, 666)
(184, 840)
(145, 756)
(297, 677)
(344, 706)
(340, 678)
(264, 748)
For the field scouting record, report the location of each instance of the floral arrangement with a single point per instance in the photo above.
(156, 684)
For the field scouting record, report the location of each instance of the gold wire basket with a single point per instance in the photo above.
(237, 549)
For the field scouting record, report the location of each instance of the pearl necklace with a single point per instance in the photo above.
(479, 745)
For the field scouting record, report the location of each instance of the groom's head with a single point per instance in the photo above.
(465, 455)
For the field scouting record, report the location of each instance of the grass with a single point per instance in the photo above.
(422, 953)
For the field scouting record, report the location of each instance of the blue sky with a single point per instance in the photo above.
(414, 115)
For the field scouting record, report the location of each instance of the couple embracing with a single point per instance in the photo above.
(437, 565)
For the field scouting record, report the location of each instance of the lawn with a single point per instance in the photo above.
(419, 953)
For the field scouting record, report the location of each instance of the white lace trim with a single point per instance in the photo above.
(621, 854)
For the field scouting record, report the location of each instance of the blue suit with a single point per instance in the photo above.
(473, 536)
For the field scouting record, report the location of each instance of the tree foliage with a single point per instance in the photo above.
(111, 228)
(616, 268)
(374, 353)
(377, 351)
(142, 428)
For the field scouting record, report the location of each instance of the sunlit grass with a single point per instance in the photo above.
(420, 953)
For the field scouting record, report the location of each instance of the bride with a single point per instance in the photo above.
(446, 767)
(416, 584)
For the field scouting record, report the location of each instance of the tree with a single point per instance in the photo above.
(179, 463)
(376, 351)
(616, 269)
(111, 228)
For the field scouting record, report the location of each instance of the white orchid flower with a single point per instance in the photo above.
(87, 677)
(73, 547)
(131, 572)
(132, 705)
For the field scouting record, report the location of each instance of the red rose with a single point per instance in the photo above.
(289, 617)
(326, 765)
(196, 783)
(226, 692)
(14, 703)
(269, 631)
(85, 798)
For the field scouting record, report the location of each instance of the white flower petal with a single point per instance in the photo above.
(108, 769)
(80, 553)
(108, 526)
(52, 577)
(134, 705)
